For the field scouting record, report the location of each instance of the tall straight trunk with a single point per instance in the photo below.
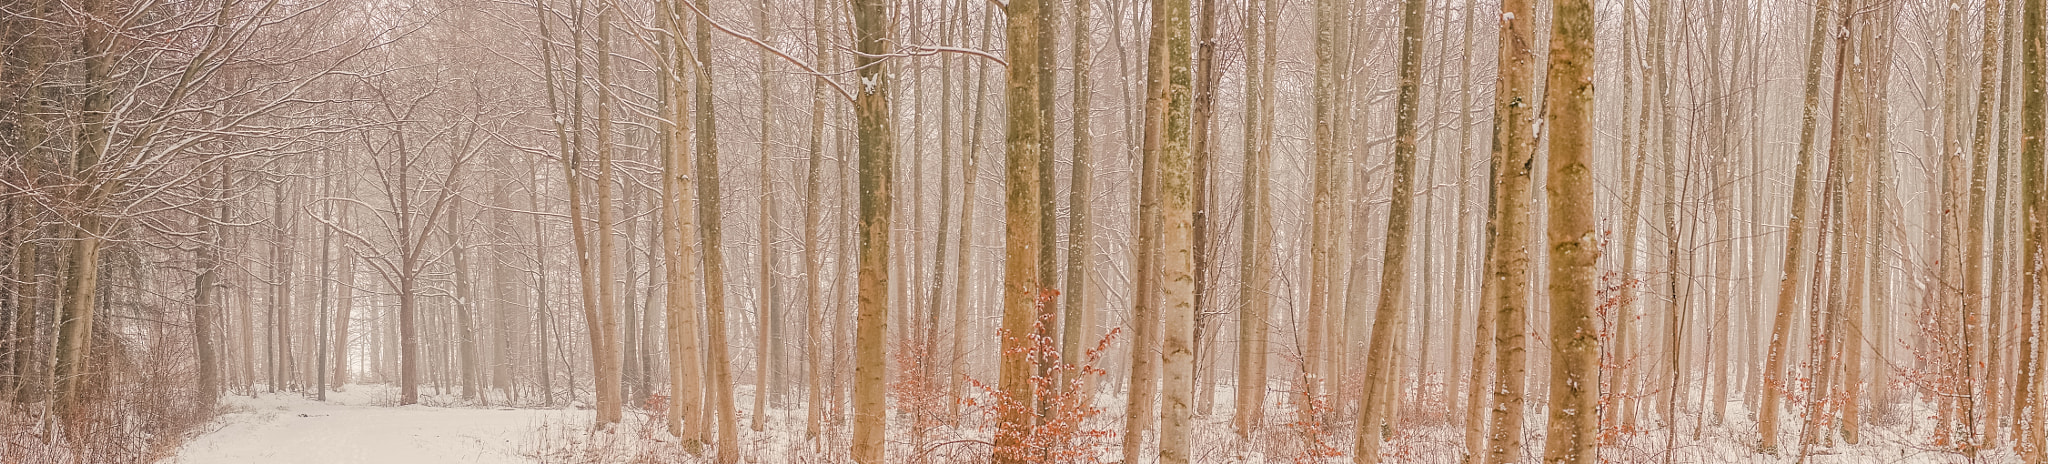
(1169, 98)
(344, 304)
(278, 340)
(1999, 301)
(679, 240)
(1795, 242)
(505, 294)
(1974, 272)
(464, 307)
(1253, 296)
(1141, 402)
(814, 246)
(206, 306)
(1078, 321)
(27, 296)
(1200, 154)
(1046, 27)
(971, 176)
(1390, 318)
(605, 360)
(2033, 114)
(81, 280)
(764, 292)
(1022, 232)
(1480, 304)
(1949, 305)
(1573, 433)
(1512, 153)
(877, 159)
(719, 360)
(1722, 249)
(1322, 211)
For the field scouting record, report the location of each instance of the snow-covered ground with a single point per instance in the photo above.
(362, 425)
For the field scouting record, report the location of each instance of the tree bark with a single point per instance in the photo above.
(1170, 97)
(1253, 296)
(877, 160)
(719, 361)
(679, 239)
(1389, 319)
(1574, 430)
(1513, 152)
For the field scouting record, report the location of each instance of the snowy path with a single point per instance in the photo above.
(353, 427)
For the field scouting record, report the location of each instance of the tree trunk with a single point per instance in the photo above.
(1170, 96)
(708, 211)
(1574, 429)
(764, 288)
(1253, 297)
(605, 360)
(679, 239)
(1023, 201)
(1140, 411)
(1078, 320)
(1513, 151)
(1322, 212)
(814, 246)
(2033, 114)
(206, 307)
(1389, 319)
(1974, 277)
(877, 160)
(1200, 154)
(1795, 242)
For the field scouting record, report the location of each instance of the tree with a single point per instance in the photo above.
(1023, 199)
(1322, 211)
(2033, 114)
(719, 358)
(1078, 319)
(877, 160)
(764, 292)
(606, 364)
(814, 255)
(1253, 296)
(1973, 281)
(1389, 320)
(679, 239)
(1795, 231)
(1509, 260)
(1574, 430)
(1169, 99)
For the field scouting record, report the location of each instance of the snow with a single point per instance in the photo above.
(361, 424)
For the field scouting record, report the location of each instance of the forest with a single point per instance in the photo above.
(724, 231)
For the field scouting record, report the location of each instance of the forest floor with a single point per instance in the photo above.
(361, 424)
